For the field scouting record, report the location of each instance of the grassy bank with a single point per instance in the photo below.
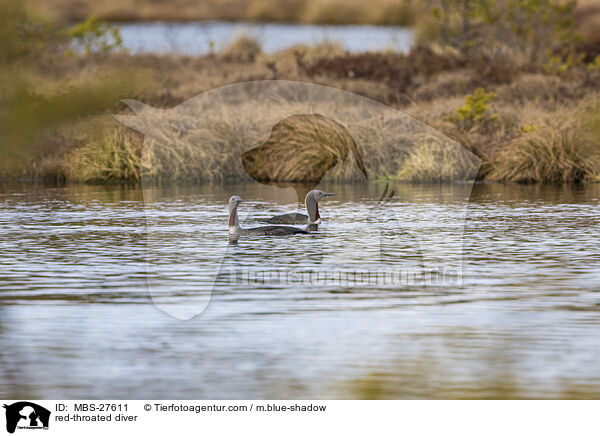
(535, 126)
(528, 118)
(532, 126)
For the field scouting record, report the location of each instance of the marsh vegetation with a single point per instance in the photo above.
(524, 101)
(77, 262)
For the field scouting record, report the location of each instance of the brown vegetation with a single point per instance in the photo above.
(301, 148)
(528, 96)
(523, 118)
(565, 149)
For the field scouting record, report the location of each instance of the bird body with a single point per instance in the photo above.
(235, 229)
(272, 231)
(289, 218)
(312, 207)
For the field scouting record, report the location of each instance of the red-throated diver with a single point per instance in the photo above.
(312, 207)
(235, 229)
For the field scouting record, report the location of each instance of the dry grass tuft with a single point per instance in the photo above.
(358, 12)
(243, 48)
(114, 157)
(565, 150)
(435, 162)
(301, 148)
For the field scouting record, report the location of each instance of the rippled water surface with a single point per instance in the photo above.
(77, 318)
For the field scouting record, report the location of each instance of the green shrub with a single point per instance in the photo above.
(531, 26)
(21, 35)
(558, 64)
(94, 36)
(475, 110)
(528, 128)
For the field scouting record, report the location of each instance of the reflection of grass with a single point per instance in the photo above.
(243, 48)
(420, 380)
(465, 364)
(302, 148)
(112, 157)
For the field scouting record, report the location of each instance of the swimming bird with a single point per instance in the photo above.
(235, 230)
(312, 207)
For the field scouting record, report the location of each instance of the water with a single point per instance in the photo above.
(77, 320)
(199, 38)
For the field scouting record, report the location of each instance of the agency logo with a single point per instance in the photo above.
(26, 415)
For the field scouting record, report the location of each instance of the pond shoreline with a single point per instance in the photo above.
(536, 126)
(528, 117)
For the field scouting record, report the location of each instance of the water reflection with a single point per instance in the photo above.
(74, 302)
(199, 38)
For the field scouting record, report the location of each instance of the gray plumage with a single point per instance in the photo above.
(289, 218)
(272, 231)
(311, 203)
(235, 230)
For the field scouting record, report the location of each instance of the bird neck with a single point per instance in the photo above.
(312, 207)
(234, 224)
